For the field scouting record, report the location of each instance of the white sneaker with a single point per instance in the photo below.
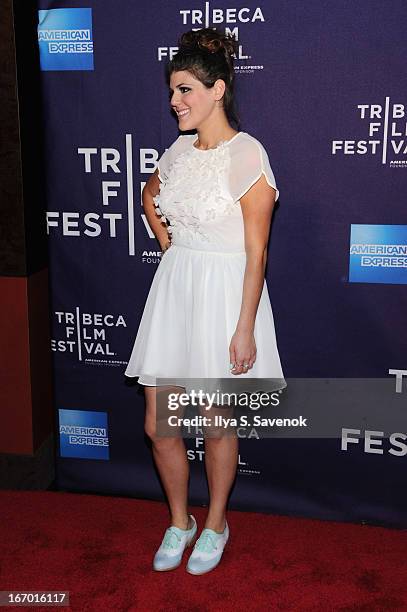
(169, 555)
(207, 551)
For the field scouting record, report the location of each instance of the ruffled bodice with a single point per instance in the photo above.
(197, 198)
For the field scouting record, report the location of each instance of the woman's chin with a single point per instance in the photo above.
(186, 126)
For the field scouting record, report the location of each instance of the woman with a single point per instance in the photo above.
(208, 314)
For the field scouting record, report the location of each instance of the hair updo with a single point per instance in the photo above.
(208, 55)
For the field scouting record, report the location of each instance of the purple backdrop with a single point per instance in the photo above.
(303, 71)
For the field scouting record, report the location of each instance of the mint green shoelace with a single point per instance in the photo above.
(168, 541)
(206, 542)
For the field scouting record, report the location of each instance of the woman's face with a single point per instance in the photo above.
(191, 100)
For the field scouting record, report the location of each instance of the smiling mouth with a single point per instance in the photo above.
(182, 113)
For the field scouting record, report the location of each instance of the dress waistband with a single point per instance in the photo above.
(191, 248)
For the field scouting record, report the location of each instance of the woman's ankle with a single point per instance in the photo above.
(217, 524)
(182, 522)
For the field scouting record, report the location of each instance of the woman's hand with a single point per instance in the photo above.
(242, 351)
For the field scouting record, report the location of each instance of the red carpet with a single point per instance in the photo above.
(100, 549)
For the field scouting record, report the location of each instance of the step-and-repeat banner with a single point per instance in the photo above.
(323, 87)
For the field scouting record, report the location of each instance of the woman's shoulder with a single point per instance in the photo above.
(182, 142)
(247, 150)
(243, 141)
(180, 145)
(176, 148)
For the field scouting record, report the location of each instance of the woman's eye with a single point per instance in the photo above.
(183, 90)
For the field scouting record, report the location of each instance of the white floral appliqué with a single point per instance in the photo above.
(194, 192)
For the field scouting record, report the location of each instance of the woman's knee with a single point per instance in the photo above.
(150, 429)
(161, 439)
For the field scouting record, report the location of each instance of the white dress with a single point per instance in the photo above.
(195, 297)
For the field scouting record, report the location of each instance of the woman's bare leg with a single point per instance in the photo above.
(171, 460)
(221, 455)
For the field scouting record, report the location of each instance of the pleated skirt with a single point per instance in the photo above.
(189, 318)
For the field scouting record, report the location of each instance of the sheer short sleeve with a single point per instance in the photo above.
(250, 161)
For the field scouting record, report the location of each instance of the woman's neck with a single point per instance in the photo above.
(210, 136)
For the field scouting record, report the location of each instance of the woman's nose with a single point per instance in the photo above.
(174, 99)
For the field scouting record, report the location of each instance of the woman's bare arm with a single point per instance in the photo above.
(257, 208)
(151, 189)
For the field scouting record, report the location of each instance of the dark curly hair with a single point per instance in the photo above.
(208, 55)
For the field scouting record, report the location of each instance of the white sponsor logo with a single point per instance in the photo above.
(112, 215)
(85, 436)
(231, 18)
(381, 255)
(197, 453)
(86, 335)
(204, 18)
(67, 41)
(399, 378)
(373, 441)
(386, 132)
(151, 257)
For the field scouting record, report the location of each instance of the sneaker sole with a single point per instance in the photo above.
(205, 572)
(166, 569)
